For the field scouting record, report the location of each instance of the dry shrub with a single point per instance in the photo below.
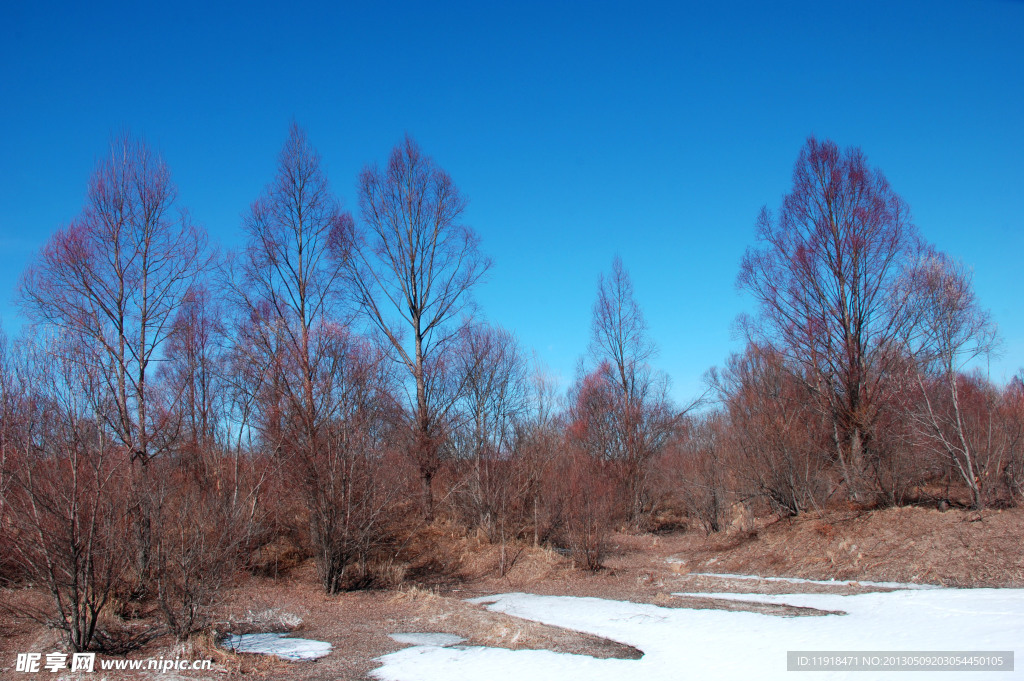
(260, 619)
(279, 542)
(200, 530)
(115, 636)
(584, 505)
(68, 508)
(536, 564)
(10, 573)
(434, 553)
(415, 593)
(781, 445)
(278, 557)
(704, 471)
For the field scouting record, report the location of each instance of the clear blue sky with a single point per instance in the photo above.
(655, 131)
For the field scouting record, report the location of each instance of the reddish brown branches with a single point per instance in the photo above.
(414, 264)
(824, 275)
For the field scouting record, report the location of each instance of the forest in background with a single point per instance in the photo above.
(174, 416)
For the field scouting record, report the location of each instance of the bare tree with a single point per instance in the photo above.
(113, 280)
(286, 285)
(493, 376)
(321, 395)
(641, 415)
(619, 331)
(288, 279)
(116, 277)
(952, 331)
(823, 275)
(67, 494)
(412, 270)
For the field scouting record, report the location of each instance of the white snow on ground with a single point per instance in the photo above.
(428, 639)
(680, 644)
(826, 582)
(278, 644)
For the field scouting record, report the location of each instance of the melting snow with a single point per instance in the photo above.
(680, 643)
(278, 644)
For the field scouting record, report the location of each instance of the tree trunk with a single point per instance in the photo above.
(427, 494)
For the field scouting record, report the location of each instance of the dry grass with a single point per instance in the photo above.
(956, 548)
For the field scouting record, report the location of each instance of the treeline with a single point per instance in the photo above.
(173, 416)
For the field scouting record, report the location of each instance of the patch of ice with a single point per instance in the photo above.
(826, 582)
(681, 643)
(428, 639)
(277, 644)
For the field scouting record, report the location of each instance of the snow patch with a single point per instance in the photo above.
(277, 644)
(681, 643)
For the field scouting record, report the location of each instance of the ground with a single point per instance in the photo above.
(917, 545)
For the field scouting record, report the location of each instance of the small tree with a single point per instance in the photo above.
(952, 331)
(67, 494)
(494, 391)
(539, 438)
(780, 438)
(706, 469)
(343, 481)
(1012, 418)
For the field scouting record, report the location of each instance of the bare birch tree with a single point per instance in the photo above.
(412, 269)
(322, 397)
(953, 329)
(113, 281)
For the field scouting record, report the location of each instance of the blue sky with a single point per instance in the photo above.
(579, 131)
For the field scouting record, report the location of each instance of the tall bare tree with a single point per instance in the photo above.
(286, 285)
(640, 411)
(113, 281)
(413, 266)
(321, 396)
(116, 276)
(824, 274)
